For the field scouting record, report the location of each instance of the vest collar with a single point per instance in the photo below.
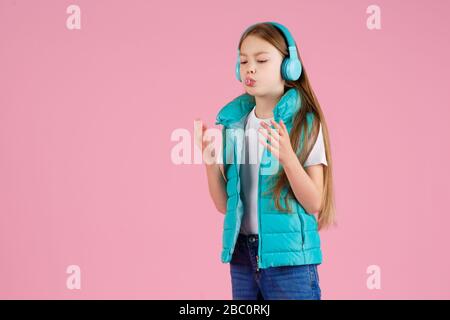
(239, 107)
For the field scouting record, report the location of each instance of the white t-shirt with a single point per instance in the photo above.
(249, 169)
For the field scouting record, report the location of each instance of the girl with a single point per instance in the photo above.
(276, 172)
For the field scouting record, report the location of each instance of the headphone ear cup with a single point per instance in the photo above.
(291, 69)
(237, 70)
(283, 69)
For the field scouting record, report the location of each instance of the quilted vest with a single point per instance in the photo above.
(284, 238)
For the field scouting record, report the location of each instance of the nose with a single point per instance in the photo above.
(250, 67)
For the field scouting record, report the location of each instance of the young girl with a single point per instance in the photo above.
(276, 172)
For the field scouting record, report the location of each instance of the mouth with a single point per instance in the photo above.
(249, 82)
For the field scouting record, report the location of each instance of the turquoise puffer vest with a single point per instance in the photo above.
(284, 238)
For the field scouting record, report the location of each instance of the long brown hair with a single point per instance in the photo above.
(309, 103)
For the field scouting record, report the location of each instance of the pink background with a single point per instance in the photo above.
(86, 116)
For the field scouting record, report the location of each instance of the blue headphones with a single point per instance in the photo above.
(291, 67)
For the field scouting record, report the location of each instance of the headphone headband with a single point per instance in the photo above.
(288, 37)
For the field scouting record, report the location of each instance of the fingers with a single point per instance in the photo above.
(274, 136)
(284, 127)
(271, 148)
(275, 124)
(202, 141)
(273, 140)
(273, 132)
(281, 127)
(204, 127)
(268, 146)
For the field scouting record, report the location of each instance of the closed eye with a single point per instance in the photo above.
(260, 61)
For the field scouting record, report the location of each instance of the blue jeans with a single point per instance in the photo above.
(284, 282)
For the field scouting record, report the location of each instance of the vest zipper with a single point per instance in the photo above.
(236, 166)
(259, 219)
(303, 230)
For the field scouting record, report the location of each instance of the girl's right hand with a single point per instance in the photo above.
(202, 142)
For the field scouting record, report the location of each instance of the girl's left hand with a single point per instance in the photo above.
(280, 143)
